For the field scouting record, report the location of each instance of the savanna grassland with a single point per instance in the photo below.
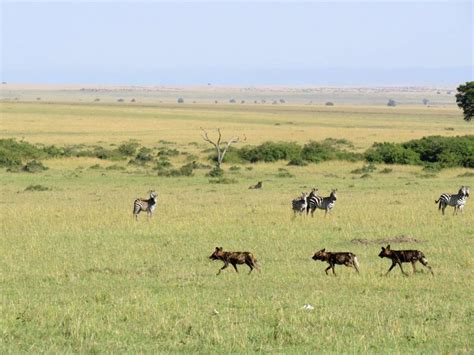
(79, 274)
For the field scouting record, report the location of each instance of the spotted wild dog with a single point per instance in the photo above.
(404, 256)
(234, 258)
(259, 185)
(339, 258)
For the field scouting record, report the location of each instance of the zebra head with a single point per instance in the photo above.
(153, 195)
(464, 191)
(313, 192)
(333, 194)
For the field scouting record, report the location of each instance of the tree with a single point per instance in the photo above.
(465, 99)
(180, 100)
(425, 101)
(391, 103)
(221, 147)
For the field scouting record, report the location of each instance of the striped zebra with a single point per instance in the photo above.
(299, 204)
(311, 197)
(456, 200)
(141, 204)
(323, 203)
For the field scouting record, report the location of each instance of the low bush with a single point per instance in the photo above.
(34, 166)
(271, 152)
(37, 188)
(215, 172)
(283, 173)
(365, 169)
(443, 151)
(223, 180)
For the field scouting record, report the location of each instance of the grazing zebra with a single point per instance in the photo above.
(148, 205)
(323, 203)
(456, 200)
(299, 204)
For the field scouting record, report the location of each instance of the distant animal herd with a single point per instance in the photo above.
(309, 202)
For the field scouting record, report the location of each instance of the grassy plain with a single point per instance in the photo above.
(78, 274)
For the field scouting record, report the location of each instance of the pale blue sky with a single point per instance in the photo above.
(244, 43)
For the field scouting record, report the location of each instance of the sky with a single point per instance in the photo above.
(237, 43)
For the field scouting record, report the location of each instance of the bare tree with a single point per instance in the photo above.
(221, 147)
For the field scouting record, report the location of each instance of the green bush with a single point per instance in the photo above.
(215, 172)
(13, 153)
(128, 149)
(283, 173)
(144, 156)
(365, 169)
(34, 166)
(37, 188)
(297, 162)
(444, 151)
(271, 152)
(223, 180)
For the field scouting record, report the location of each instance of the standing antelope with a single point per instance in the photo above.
(148, 205)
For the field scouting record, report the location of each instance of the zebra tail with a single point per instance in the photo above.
(436, 201)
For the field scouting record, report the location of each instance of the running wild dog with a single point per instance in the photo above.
(148, 205)
(404, 256)
(234, 258)
(338, 258)
(258, 186)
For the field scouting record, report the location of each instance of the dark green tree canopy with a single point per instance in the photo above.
(465, 99)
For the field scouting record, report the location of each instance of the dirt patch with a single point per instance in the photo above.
(400, 239)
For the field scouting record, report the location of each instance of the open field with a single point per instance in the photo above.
(78, 274)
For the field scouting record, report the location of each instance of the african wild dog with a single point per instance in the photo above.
(258, 186)
(339, 258)
(234, 258)
(404, 256)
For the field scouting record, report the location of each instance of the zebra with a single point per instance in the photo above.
(148, 205)
(312, 196)
(299, 204)
(323, 203)
(456, 200)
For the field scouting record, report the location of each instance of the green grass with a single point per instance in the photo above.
(78, 274)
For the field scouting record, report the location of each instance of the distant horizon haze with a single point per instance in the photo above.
(239, 43)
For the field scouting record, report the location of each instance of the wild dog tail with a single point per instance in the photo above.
(356, 262)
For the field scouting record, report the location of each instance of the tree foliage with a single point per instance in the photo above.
(465, 99)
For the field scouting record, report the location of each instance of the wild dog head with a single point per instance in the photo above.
(385, 252)
(218, 254)
(321, 255)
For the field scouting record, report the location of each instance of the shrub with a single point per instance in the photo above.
(329, 103)
(297, 162)
(143, 156)
(386, 171)
(270, 152)
(180, 100)
(185, 170)
(234, 168)
(34, 166)
(128, 149)
(115, 167)
(283, 173)
(365, 169)
(95, 166)
(391, 103)
(215, 172)
(37, 188)
(13, 153)
(445, 151)
(223, 180)
(165, 152)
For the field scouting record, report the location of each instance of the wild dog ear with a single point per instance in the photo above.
(323, 250)
(388, 247)
(221, 248)
(383, 248)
